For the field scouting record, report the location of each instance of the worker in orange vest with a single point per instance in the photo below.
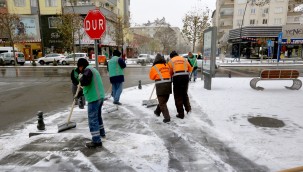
(180, 70)
(160, 73)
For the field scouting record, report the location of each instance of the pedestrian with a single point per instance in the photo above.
(116, 75)
(193, 62)
(160, 73)
(93, 90)
(80, 100)
(180, 69)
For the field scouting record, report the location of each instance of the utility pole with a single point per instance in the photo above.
(241, 30)
(40, 28)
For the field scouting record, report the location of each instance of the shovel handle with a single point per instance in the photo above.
(152, 92)
(74, 102)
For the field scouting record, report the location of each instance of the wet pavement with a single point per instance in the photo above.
(188, 148)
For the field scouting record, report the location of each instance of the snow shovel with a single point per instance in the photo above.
(108, 93)
(68, 125)
(151, 102)
(107, 108)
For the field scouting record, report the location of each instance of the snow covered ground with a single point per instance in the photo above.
(215, 136)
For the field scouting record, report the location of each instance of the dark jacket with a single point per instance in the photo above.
(75, 72)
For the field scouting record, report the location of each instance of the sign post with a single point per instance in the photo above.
(209, 54)
(95, 26)
(279, 45)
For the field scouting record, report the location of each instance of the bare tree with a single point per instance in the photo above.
(12, 28)
(167, 38)
(68, 26)
(120, 30)
(194, 23)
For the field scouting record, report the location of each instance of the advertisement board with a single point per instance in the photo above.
(28, 26)
(209, 55)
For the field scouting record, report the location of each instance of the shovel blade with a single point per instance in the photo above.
(66, 126)
(110, 109)
(152, 102)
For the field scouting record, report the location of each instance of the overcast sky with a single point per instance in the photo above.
(173, 10)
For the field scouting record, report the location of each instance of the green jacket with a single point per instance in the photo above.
(94, 90)
(114, 67)
(193, 61)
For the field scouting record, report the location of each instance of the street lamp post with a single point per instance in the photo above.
(241, 29)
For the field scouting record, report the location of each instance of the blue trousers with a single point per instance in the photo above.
(195, 73)
(95, 121)
(117, 90)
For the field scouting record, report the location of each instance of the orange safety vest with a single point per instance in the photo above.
(160, 73)
(179, 66)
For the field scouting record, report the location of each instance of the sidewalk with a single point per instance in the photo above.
(215, 136)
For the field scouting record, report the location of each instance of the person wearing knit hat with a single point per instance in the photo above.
(91, 81)
(115, 68)
(179, 70)
(160, 73)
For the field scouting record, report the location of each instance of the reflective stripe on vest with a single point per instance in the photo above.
(160, 75)
(179, 73)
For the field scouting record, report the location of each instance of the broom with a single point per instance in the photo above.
(68, 125)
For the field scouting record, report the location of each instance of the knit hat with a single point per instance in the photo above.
(117, 53)
(159, 59)
(173, 54)
(82, 62)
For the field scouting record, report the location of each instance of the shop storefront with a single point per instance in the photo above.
(292, 41)
(251, 41)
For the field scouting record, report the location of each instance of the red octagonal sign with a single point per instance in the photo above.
(94, 24)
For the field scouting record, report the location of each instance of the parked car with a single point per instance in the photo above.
(144, 58)
(8, 58)
(49, 58)
(73, 57)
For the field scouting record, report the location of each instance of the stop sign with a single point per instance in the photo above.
(94, 24)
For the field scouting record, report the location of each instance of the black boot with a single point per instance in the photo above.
(93, 145)
(180, 116)
(166, 120)
(157, 114)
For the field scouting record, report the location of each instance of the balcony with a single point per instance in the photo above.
(226, 2)
(294, 20)
(83, 9)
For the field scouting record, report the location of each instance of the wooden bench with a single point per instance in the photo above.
(278, 74)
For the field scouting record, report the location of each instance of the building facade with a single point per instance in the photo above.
(246, 26)
(38, 18)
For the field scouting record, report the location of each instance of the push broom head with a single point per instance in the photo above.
(66, 126)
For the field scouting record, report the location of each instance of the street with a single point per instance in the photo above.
(26, 90)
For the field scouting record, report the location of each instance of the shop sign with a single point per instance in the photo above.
(292, 31)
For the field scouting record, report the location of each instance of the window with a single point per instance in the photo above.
(19, 3)
(50, 3)
(278, 21)
(242, 1)
(34, 3)
(240, 12)
(297, 19)
(265, 11)
(252, 22)
(279, 10)
(253, 11)
(239, 22)
(53, 22)
(264, 21)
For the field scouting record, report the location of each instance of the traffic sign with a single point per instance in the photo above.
(94, 24)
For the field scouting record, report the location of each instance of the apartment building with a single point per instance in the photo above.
(147, 32)
(38, 18)
(245, 26)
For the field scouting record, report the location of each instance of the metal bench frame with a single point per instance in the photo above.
(278, 74)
